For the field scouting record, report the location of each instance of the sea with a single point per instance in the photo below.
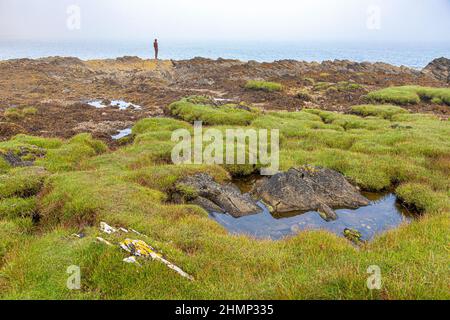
(413, 55)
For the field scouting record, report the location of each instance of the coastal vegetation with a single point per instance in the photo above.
(263, 86)
(191, 110)
(410, 95)
(75, 184)
(16, 113)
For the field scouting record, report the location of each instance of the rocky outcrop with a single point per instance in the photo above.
(309, 189)
(196, 70)
(439, 69)
(210, 195)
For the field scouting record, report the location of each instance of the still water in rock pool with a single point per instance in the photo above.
(122, 105)
(122, 134)
(382, 214)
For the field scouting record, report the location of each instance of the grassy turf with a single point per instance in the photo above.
(410, 95)
(17, 114)
(263, 86)
(378, 147)
(211, 115)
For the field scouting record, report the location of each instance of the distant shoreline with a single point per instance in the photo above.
(219, 60)
(411, 55)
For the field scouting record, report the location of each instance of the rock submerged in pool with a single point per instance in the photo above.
(214, 197)
(309, 189)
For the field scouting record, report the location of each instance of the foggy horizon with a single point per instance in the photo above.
(378, 21)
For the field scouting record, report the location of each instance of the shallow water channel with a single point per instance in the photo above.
(383, 213)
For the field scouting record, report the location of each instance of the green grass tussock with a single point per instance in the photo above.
(12, 233)
(22, 182)
(421, 197)
(69, 155)
(410, 95)
(263, 86)
(18, 207)
(342, 86)
(14, 113)
(4, 165)
(212, 115)
(383, 111)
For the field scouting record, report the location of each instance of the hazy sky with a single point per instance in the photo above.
(294, 20)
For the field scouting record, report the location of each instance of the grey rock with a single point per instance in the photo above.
(439, 69)
(326, 212)
(214, 197)
(309, 189)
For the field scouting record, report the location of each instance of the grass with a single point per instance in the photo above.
(13, 114)
(266, 86)
(29, 111)
(384, 111)
(342, 86)
(18, 114)
(22, 182)
(377, 147)
(212, 115)
(410, 95)
(18, 207)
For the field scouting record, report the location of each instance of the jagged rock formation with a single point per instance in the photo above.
(309, 189)
(210, 195)
(439, 69)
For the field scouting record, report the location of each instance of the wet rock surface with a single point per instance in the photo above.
(215, 197)
(309, 189)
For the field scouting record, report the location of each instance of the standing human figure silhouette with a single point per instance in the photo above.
(156, 47)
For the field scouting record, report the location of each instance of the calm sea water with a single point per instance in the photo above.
(412, 55)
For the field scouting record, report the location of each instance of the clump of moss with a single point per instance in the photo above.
(212, 115)
(263, 86)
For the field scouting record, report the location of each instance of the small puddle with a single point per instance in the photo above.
(121, 104)
(122, 134)
(383, 213)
